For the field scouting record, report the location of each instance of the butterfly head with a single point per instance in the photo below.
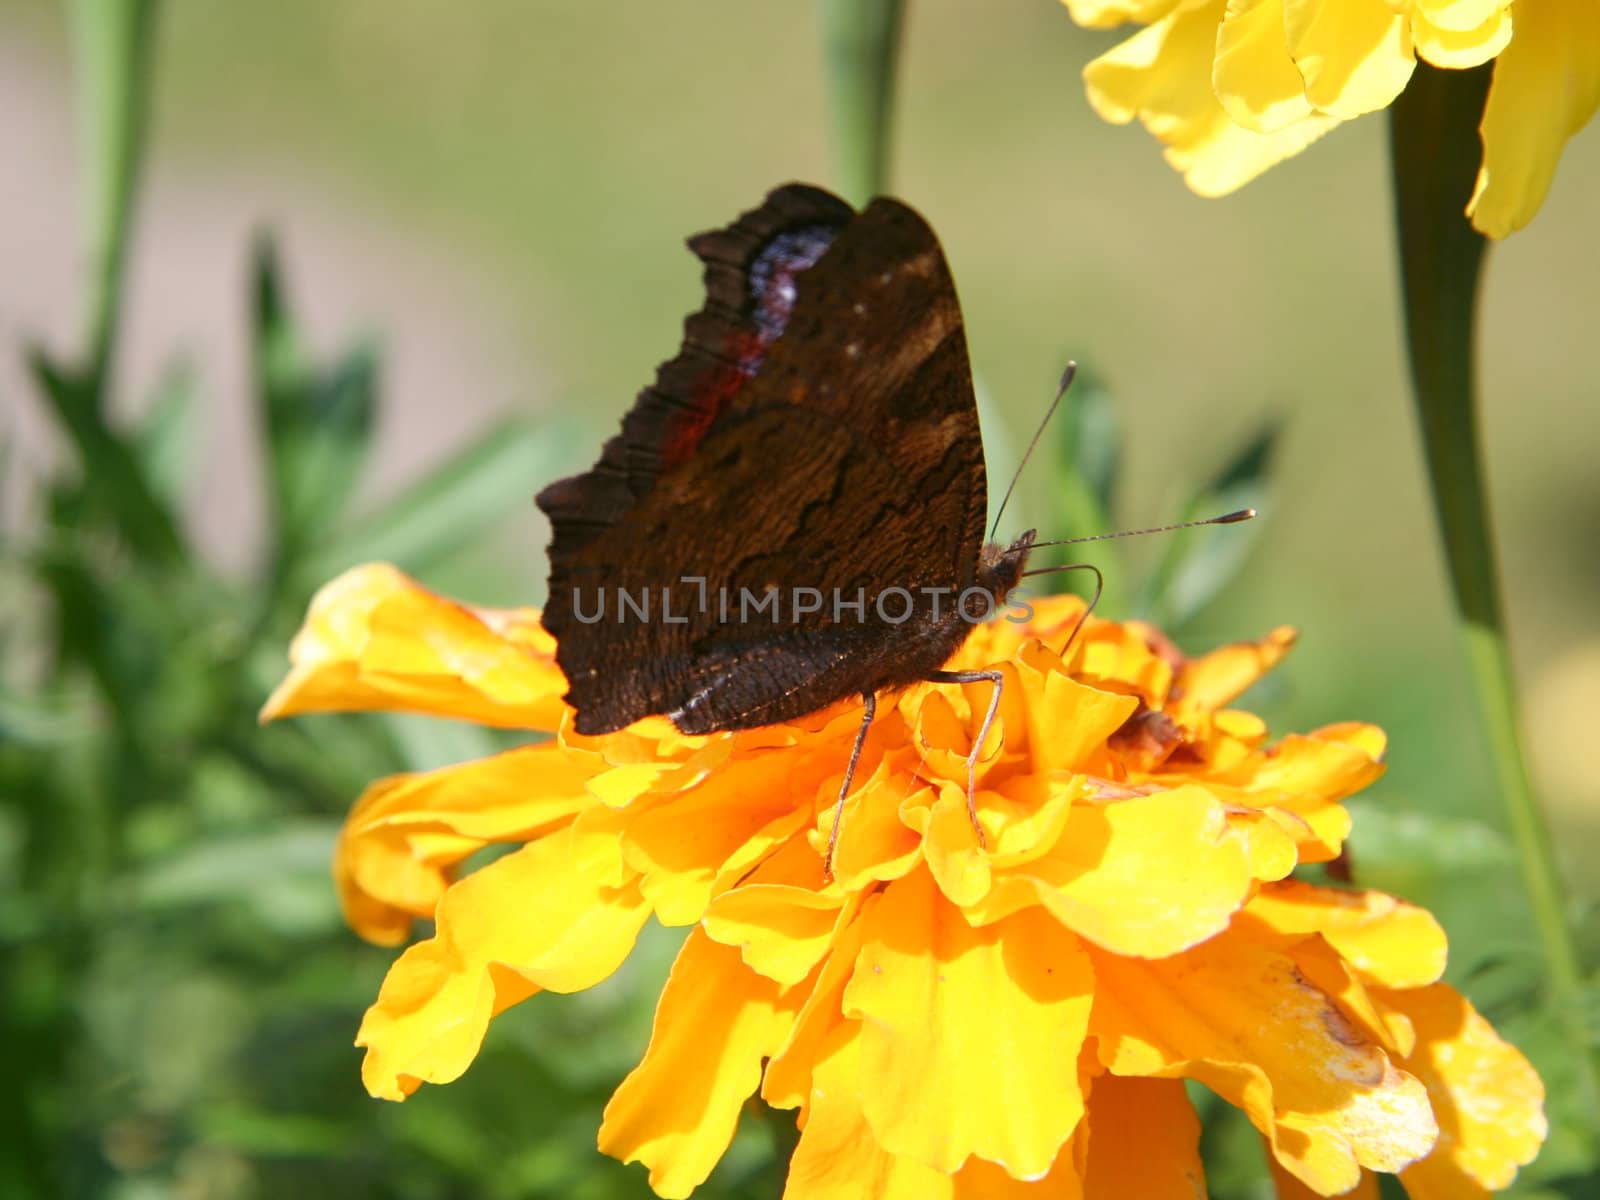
(1000, 567)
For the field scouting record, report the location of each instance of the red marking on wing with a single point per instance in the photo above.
(714, 389)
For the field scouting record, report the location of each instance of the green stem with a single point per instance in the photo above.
(1435, 149)
(113, 40)
(860, 43)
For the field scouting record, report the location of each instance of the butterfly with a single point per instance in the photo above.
(794, 512)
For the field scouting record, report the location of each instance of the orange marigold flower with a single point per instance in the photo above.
(947, 1020)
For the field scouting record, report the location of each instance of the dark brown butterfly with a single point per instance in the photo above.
(815, 437)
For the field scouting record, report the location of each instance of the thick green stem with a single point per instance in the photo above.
(113, 40)
(1435, 147)
(860, 43)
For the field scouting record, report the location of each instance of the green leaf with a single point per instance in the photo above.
(1386, 838)
(42, 722)
(113, 474)
(430, 517)
(258, 1132)
(1085, 459)
(240, 867)
(167, 436)
(88, 631)
(1091, 452)
(318, 425)
(427, 743)
(1569, 1162)
(1088, 459)
(1199, 563)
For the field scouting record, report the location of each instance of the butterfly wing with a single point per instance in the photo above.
(816, 431)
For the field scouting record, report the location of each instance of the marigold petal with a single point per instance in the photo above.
(1240, 1018)
(1299, 782)
(1323, 966)
(1489, 1099)
(1107, 14)
(1215, 680)
(945, 723)
(937, 729)
(1120, 658)
(402, 837)
(710, 835)
(1162, 75)
(838, 1157)
(1032, 812)
(1147, 876)
(622, 785)
(782, 930)
(1318, 835)
(982, 1018)
(1254, 77)
(1270, 848)
(1369, 739)
(1546, 87)
(676, 1111)
(1143, 73)
(950, 846)
(1069, 722)
(375, 639)
(375, 918)
(1460, 15)
(789, 1079)
(1144, 1141)
(1386, 940)
(1243, 727)
(1045, 622)
(1462, 48)
(1287, 1187)
(1315, 768)
(439, 996)
(1354, 55)
(876, 842)
(980, 1180)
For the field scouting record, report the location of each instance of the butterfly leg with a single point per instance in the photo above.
(871, 702)
(1083, 617)
(998, 680)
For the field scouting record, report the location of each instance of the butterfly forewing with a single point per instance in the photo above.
(816, 431)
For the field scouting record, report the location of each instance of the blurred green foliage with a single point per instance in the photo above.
(180, 994)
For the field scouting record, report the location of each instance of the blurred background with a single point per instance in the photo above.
(478, 218)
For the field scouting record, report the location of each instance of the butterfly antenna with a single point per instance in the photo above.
(1066, 382)
(1232, 518)
(1243, 514)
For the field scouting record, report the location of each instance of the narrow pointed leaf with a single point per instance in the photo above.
(114, 476)
(1200, 563)
(429, 519)
(318, 423)
(1089, 460)
(168, 435)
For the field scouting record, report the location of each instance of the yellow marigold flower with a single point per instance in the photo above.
(947, 1021)
(1231, 87)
